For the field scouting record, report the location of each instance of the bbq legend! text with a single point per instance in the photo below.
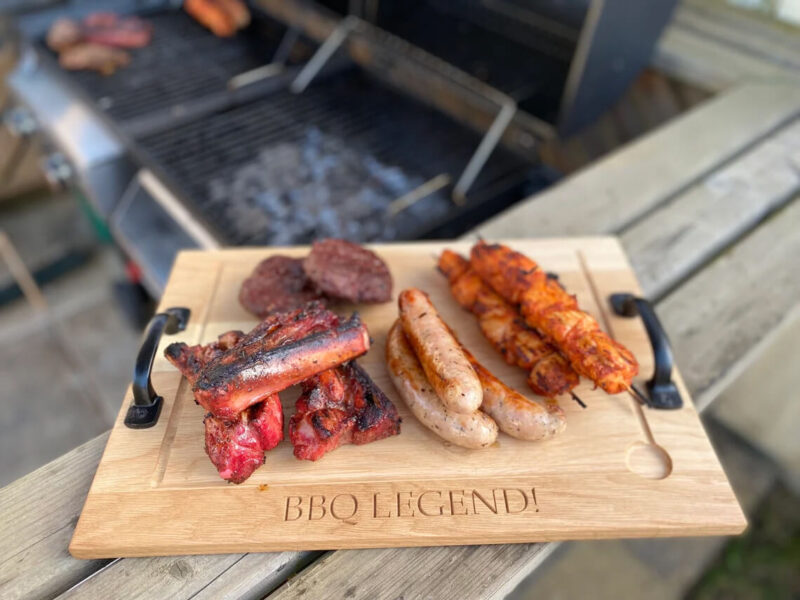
(411, 504)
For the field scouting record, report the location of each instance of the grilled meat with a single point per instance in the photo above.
(238, 11)
(555, 314)
(63, 33)
(238, 376)
(345, 270)
(237, 447)
(93, 57)
(291, 348)
(214, 15)
(189, 360)
(340, 406)
(103, 29)
(278, 283)
(550, 374)
(110, 29)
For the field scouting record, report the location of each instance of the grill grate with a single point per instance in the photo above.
(182, 63)
(288, 168)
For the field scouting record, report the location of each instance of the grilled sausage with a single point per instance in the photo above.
(440, 354)
(211, 15)
(238, 11)
(515, 414)
(476, 430)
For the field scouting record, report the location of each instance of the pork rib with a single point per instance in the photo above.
(236, 446)
(253, 370)
(340, 406)
(190, 360)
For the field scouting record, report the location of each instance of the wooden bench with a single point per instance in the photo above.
(708, 209)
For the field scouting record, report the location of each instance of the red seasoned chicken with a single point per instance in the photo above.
(340, 406)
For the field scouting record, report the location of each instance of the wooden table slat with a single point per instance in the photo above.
(614, 192)
(682, 235)
(445, 572)
(39, 513)
(218, 576)
(716, 317)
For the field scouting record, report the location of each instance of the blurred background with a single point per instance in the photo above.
(133, 129)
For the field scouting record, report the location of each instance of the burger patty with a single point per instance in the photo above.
(278, 283)
(345, 270)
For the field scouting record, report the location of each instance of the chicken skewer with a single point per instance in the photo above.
(553, 312)
(550, 374)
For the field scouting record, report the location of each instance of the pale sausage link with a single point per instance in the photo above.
(476, 430)
(439, 352)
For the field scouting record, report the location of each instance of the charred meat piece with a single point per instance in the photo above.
(345, 270)
(340, 406)
(93, 57)
(278, 283)
(237, 447)
(273, 331)
(189, 360)
(295, 346)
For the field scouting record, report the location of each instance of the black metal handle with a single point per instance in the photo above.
(662, 392)
(146, 406)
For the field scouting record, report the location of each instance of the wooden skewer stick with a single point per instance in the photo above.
(577, 399)
(641, 398)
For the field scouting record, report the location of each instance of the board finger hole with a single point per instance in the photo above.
(647, 460)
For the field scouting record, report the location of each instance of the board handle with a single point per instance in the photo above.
(661, 390)
(146, 406)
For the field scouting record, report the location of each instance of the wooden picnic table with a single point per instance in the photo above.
(709, 212)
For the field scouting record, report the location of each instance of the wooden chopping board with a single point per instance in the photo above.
(619, 470)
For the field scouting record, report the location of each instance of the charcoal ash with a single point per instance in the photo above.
(293, 192)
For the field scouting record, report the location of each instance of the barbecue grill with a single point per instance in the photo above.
(331, 162)
(563, 63)
(182, 72)
(307, 124)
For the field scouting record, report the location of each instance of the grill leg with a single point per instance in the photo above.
(323, 54)
(483, 151)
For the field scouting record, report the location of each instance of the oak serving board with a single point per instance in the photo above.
(619, 470)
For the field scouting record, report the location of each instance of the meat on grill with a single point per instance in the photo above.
(278, 283)
(283, 350)
(340, 406)
(222, 17)
(345, 270)
(93, 57)
(63, 33)
(102, 28)
(113, 30)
